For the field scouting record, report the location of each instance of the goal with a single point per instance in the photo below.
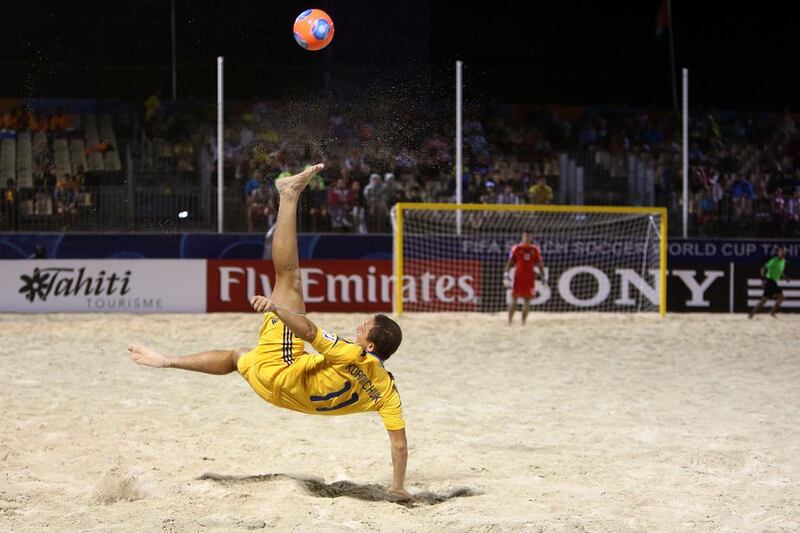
(453, 257)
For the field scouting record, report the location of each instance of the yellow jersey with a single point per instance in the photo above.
(342, 379)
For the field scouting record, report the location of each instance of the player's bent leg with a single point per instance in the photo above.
(511, 308)
(237, 354)
(778, 302)
(758, 307)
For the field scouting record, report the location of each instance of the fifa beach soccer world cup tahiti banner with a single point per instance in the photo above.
(92, 286)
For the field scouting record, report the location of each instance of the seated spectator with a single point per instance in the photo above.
(36, 122)
(100, 148)
(80, 177)
(793, 212)
(415, 194)
(359, 218)
(725, 208)
(60, 121)
(743, 196)
(707, 211)
(541, 192)
(762, 209)
(377, 210)
(588, 135)
(404, 162)
(12, 119)
(8, 207)
(340, 206)
(152, 107)
(260, 204)
(39, 252)
(253, 183)
(184, 152)
(490, 194)
(66, 200)
(779, 211)
(320, 219)
(508, 196)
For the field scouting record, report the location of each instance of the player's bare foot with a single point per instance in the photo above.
(298, 182)
(751, 315)
(146, 356)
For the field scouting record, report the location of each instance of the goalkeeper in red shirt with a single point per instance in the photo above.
(523, 257)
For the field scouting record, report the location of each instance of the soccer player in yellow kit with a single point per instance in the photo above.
(346, 377)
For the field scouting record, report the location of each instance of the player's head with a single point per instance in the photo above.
(380, 335)
(781, 252)
(527, 237)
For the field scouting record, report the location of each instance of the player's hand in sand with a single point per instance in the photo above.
(262, 304)
(146, 356)
(401, 492)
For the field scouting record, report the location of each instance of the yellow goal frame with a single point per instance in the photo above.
(408, 206)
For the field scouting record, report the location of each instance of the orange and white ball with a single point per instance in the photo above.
(313, 29)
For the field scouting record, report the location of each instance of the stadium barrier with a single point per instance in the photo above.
(342, 273)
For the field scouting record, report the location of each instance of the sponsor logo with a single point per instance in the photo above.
(104, 290)
(44, 283)
(348, 285)
(791, 292)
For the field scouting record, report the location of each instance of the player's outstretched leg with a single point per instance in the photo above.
(758, 307)
(288, 291)
(778, 302)
(210, 362)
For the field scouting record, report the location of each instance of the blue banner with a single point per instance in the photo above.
(187, 246)
(343, 246)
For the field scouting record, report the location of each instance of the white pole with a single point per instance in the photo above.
(685, 153)
(459, 171)
(220, 146)
(174, 55)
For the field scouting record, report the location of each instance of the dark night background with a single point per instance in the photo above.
(566, 52)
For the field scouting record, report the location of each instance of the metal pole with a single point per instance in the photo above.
(220, 146)
(174, 56)
(459, 165)
(685, 153)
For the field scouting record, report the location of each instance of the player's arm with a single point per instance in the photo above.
(399, 461)
(300, 325)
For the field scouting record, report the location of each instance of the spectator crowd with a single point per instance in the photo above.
(744, 167)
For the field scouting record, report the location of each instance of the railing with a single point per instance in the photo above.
(121, 208)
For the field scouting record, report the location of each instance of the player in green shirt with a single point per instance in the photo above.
(771, 273)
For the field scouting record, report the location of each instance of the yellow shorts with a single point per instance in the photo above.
(277, 349)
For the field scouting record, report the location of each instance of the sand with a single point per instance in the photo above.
(574, 423)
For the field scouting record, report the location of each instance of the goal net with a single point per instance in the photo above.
(453, 258)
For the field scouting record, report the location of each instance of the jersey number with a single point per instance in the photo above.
(331, 395)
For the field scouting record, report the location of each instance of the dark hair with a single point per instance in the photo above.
(385, 335)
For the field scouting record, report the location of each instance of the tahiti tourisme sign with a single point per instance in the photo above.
(119, 286)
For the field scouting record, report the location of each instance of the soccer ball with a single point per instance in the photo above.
(313, 29)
